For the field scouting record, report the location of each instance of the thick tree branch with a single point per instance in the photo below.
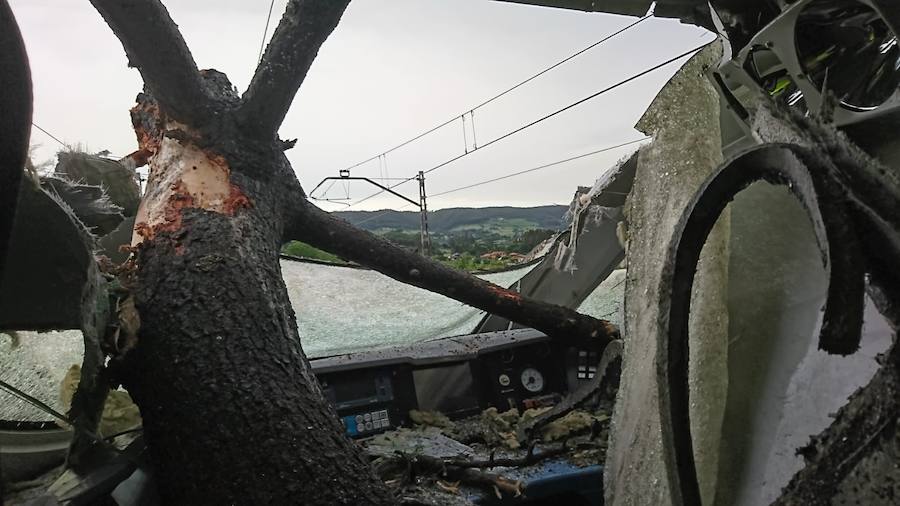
(314, 226)
(302, 30)
(462, 471)
(155, 47)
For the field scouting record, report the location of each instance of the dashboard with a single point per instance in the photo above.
(374, 391)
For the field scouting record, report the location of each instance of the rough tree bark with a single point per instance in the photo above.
(231, 409)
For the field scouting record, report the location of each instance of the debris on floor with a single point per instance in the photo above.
(444, 462)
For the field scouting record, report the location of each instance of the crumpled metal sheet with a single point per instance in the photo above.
(90, 204)
(584, 255)
(117, 181)
(47, 265)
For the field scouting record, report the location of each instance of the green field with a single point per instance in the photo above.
(303, 250)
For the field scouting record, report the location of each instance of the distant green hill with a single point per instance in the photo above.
(501, 220)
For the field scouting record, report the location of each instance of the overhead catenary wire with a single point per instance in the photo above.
(471, 110)
(513, 174)
(262, 45)
(573, 104)
(69, 146)
(48, 134)
(507, 176)
(547, 116)
(539, 167)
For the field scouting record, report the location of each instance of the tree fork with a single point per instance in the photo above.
(231, 409)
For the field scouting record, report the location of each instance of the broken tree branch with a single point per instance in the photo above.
(464, 471)
(322, 230)
(530, 458)
(489, 481)
(156, 48)
(294, 45)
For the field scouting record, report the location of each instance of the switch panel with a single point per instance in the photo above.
(366, 423)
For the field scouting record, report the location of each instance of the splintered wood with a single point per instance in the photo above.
(182, 176)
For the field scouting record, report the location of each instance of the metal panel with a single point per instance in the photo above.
(597, 254)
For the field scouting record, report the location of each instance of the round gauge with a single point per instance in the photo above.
(532, 380)
(504, 380)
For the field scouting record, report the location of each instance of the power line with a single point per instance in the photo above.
(68, 146)
(61, 143)
(502, 93)
(548, 116)
(573, 55)
(573, 104)
(534, 169)
(379, 192)
(262, 45)
(507, 176)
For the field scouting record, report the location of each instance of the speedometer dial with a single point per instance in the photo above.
(532, 380)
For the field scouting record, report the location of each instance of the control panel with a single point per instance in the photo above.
(366, 423)
(370, 400)
(524, 377)
(374, 391)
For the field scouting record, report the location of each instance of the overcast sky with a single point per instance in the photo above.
(390, 70)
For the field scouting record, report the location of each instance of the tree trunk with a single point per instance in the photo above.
(231, 409)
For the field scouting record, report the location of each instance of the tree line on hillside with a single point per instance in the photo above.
(462, 249)
(445, 220)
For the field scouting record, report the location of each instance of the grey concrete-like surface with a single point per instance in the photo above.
(781, 388)
(584, 257)
(46, 265)
(683, 120)
(759, 386)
